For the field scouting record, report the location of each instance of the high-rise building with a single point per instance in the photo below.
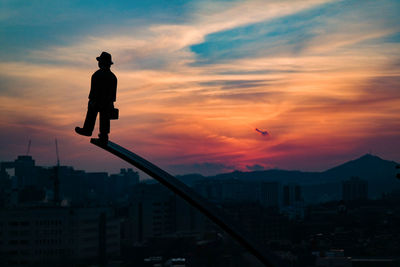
(152, 211)
(23, 177)
(354, 189)
(209, 189)
(25, 171)
(38, 236)
(120, 185)
(156, 212)
(269, 194)
(293, 202)
(291, 194)
(228, 190)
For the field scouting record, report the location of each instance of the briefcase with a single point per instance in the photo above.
(114, 114)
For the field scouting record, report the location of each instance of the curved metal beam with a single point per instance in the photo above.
(217, 215)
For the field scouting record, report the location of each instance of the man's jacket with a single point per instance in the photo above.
(103, 89)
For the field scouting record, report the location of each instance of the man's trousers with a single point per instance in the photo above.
(91, 115)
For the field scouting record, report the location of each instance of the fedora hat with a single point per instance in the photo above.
(105, 57)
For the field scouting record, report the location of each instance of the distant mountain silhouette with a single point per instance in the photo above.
(368, 167)
(190, 179)
(380, 174)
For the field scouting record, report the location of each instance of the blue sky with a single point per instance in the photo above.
(27, 25)
(30, 25)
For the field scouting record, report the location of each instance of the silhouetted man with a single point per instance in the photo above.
(103, 91)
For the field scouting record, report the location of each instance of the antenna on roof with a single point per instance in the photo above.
(56, 178)
(58, 159)
(29, 148)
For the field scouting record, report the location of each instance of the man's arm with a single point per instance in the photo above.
(92, 93)
(114, 91)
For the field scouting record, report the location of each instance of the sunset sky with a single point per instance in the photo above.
(196, 78)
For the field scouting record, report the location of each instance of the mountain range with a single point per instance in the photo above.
(326, 185)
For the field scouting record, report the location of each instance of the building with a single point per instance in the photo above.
(152, 212)
(262, 223)
(228, 190)
(365, 262)
(333, 258)
(269, 194)
(155, 212)
(120, 185)
(42, 235)
(21, 181)
(21, 171)
(235, 190)
(73, 186)
(291, 194)
(354, 189)
(293, 202)
(209, 189)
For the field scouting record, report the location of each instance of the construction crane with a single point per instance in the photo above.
(58, 158)
(29, 148)
(57, 178)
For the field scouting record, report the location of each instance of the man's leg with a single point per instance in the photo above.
(104, 124)
(90, 120)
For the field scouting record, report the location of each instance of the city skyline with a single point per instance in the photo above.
(360, 166)
(59, 215)
(196, 79)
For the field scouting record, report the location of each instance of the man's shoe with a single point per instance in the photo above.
(82, 131)
(103, 139)
(99, 141)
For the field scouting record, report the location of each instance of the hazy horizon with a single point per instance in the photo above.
(202, 171)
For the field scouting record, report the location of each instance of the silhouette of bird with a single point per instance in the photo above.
(265, 133)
